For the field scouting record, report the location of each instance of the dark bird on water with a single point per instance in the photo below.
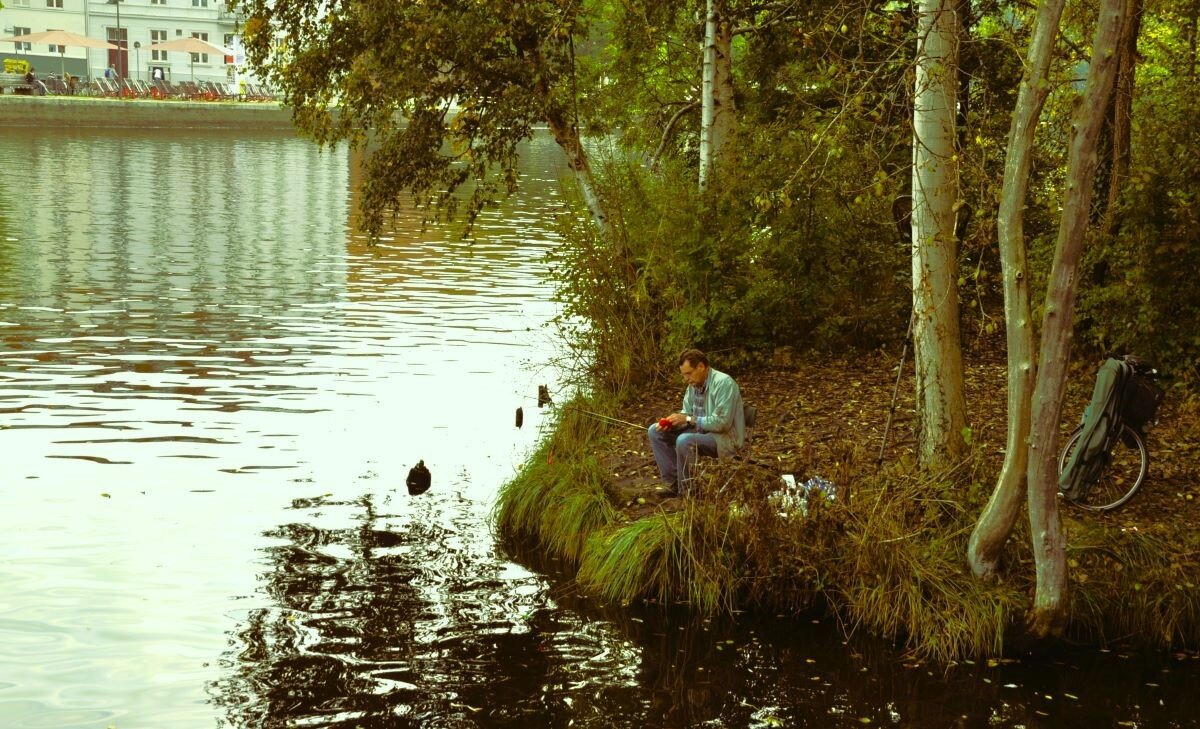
(418, 479)
(543, 395)
(520, 417)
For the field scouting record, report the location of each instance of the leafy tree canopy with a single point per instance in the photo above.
(443, 92)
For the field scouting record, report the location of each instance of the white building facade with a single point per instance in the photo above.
(132, 24)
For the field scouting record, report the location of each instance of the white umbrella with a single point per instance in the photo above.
(62, 39)
(191, 45)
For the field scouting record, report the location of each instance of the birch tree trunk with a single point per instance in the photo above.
(936, 349)
(716, 88)
(1049, 541)
(567, 137)
(996, 522)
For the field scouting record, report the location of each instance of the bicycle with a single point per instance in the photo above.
(1105, 460)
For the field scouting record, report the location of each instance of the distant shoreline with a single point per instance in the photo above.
(88, 112)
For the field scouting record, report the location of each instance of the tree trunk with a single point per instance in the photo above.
(1122, 111)
(1049, 542)
(936, 350)
(567, 137)
(716, 88)
(998, 517)
(566, 134)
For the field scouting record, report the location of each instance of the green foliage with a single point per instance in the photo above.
(608, 315)
(742, 270)
(558, 499)
(444, 91)
(794, 245)
(1138, 293)
(639, 69)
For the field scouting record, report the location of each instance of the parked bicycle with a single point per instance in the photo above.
(1105, 460)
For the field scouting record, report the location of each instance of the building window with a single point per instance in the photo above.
(158, 2)
(20, 3)
(54, 3)
(200, 57)
(158, 36)
(199, 3)
(22, 46)
(57, 49)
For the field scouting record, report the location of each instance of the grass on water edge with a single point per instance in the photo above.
(887, 556)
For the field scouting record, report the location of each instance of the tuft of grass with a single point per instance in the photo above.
(1134, 582)
(677, 557)
(572, 511)
(903, 574)
(632, 561)
(558, 499)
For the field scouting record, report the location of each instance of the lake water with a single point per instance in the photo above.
(211, 393)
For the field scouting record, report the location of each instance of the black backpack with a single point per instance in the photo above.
(1141, 395)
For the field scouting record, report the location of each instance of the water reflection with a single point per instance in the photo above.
(370, 622)
(195, 342)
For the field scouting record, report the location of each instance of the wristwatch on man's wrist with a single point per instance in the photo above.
(691, 420)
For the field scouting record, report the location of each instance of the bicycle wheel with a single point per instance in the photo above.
(1120, 479)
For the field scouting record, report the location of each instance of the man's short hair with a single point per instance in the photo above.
(693, 357)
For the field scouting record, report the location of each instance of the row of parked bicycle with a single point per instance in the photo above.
(129, 88)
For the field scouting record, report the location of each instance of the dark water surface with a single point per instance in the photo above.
(211, 392)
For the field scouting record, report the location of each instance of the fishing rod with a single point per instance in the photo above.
(607, 418)
(543, 399)
(896, 390)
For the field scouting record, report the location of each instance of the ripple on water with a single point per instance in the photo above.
(176, 374)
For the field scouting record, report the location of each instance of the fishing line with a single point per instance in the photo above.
(607, 418)
(543, 399)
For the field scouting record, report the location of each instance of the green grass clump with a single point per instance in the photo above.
(634, 560)
(688, 556)
(1129, 581)
(558, 499)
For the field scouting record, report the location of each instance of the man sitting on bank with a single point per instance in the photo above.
(711, 424)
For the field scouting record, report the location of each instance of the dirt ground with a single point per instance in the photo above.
(813, 416)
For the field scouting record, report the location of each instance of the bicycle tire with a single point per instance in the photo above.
(1120, 478)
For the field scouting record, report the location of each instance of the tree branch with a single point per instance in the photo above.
(662, 144)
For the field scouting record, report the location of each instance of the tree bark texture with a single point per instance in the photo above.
(937, 353)
(1120, 122)
(1049, 613)
(567, 137)
(1000, 515)
(716, 88)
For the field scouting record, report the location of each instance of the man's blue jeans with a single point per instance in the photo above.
(676, 453)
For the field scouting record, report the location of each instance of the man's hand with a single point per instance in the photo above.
(672, 421)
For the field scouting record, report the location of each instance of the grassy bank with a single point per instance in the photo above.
(886, 556)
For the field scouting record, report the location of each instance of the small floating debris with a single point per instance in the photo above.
(543, 396)
(418, 480)
(520, 417)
